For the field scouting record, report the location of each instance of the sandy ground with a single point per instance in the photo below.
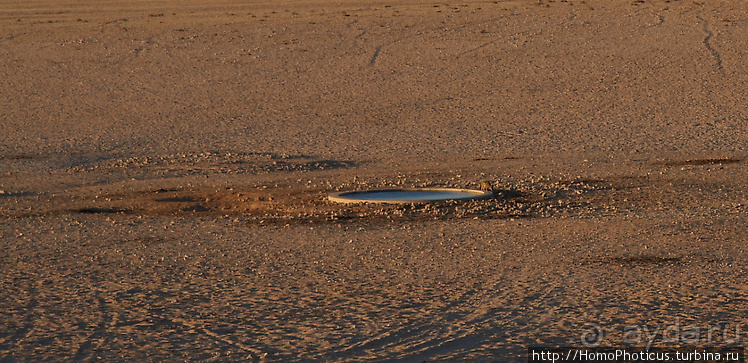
(164, 167)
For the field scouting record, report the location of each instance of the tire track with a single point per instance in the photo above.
(708, 44)
(98, 338)
(374, 57)
(28, 326)
(253, 353)
(466, 322)
(433, 31)
(472, 50)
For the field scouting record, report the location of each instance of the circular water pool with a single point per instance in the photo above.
(408, 195)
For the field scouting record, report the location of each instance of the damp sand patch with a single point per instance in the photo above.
(287, 205)
(300, 204)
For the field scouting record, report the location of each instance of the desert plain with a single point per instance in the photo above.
(164, 167)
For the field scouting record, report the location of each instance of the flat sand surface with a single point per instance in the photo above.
(164, 167)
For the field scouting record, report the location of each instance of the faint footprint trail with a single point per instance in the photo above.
(707, 42)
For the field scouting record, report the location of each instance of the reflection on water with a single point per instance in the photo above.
(410, 195)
